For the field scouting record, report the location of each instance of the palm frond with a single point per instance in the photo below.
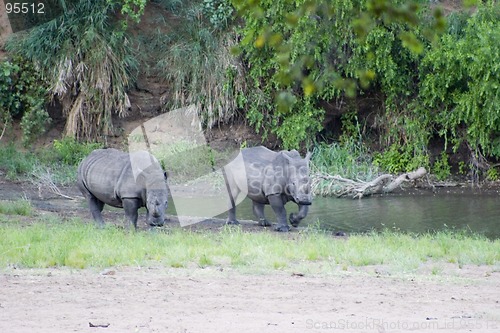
(87, 64)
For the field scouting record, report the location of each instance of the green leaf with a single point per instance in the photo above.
(411, 42)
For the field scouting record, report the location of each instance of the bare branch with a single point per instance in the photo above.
(357, 189)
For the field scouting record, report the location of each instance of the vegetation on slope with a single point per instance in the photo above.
(307, 72)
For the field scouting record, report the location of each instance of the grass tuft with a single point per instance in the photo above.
(15, 163)
(19, 207)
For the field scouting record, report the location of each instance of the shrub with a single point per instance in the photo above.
(397, 159)
(460, 82)
(23, 95)
(88, 62)
(441, 167)
(14, 162)
(71, 152)
(212, 79)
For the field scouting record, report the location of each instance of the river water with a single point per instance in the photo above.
(416, 212)
(478, 213)
(422, 213)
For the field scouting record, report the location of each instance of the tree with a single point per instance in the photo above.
(301, 53)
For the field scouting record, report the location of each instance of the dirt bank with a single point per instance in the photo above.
(211, 300)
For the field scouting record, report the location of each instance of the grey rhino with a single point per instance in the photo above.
(270, 178)
(129, 181)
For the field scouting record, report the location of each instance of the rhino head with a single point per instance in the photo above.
(156, 199)
(298, 183)
(156, 204)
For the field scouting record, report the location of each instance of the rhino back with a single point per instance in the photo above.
(260, 155)
(107, 174)
(257, 161)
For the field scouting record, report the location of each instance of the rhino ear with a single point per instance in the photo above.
(286, 157)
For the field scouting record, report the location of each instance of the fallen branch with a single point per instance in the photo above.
(405, 177)
(45, 180)
(375, 186)
(340, 186)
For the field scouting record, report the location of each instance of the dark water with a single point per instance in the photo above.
(421, 213)
(477, 213)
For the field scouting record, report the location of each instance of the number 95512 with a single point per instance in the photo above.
(24, 8)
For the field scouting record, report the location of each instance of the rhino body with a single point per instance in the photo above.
(270, 178)
(128, 181)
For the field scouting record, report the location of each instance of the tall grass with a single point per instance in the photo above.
(197, 62)
(15, 163)
(54, 165)
(78, 245)
(19, 207)
(348, 159)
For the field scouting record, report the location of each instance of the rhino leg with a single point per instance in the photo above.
(231, 218)
(131, 206)
(278, 206)
(96, 207)
(258, 210)
(296, 218)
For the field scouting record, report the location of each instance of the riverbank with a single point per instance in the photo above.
(59, 273)
(36, 239)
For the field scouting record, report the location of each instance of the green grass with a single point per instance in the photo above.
(186, 161)
(19, 207)
(55, 165)
(15, 163)
(349, 159)
(78, 245)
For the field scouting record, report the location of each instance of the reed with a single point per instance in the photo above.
(348, 159)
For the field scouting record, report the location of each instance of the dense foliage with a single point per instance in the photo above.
(212, 79)
(305, 71)
(303, 55)
(460, 82)
(23, 95)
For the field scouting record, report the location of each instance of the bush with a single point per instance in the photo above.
(441, 167)
(23, 94)
(87, 61)
(398, 159)
(460, 82)
(212, 79)
(15, 163)
(71, 152)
